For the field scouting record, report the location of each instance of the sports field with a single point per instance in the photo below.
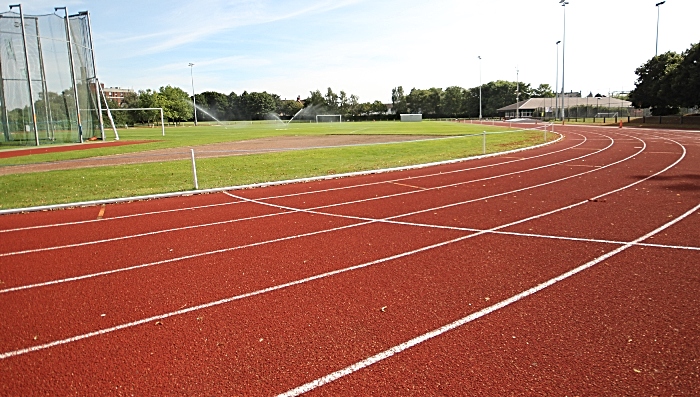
(568, 270)
(155, 164)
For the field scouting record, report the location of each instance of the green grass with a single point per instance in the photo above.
(205, 134)
(66, 186)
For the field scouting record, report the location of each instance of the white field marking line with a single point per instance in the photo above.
(275, 183)
(588, 240)
(307, 387)
(132, 236)
(427, 189)
(290, 210)
(391, 221)
(388, 220)
(364, 220)
(316, 191)
(74, 245)
(269, 289)
(181, 258)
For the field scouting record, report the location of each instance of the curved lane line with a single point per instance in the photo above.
(283, 213)
(344, 270)
(307, 387)
(305, 193)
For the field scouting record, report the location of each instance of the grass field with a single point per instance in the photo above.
(66, 186)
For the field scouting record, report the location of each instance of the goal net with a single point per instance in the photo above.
(329, 118)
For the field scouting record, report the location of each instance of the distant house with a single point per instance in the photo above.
(116, 94)
(546, 107)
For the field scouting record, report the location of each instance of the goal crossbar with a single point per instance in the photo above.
(162, 124)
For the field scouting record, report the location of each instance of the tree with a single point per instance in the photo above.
(331, 101)
(176, 104)
(315, 99)
(685, 78)
(214, 103)
(398, 100)
(653, 86)
(454, 101)
(377, 107)
(258, 104)
(290, 108)
(543, 91)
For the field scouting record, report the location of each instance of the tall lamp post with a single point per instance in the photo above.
(658, 13)
(194, 102)
(517, 93)
(556, 90)
(479, 87)
(563, 59)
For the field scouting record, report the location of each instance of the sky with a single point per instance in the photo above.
(368, 47)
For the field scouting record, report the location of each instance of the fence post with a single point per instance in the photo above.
(194, 171)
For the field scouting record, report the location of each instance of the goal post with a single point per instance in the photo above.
(162, 123)
(329, 118)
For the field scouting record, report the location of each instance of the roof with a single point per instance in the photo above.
(539, 103)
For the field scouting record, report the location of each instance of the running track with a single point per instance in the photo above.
(568, 270)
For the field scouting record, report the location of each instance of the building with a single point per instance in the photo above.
(575, 107)
(116, 94)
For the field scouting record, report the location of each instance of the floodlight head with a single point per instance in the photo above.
(190, 64)
(558, 42)
(59, 8)
(479, 57)
(660, 3)
(15, 5)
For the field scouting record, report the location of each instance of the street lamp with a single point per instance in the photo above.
(194, 102)
(556, 90)
(657, 24)
(479, 87)
(563, 58)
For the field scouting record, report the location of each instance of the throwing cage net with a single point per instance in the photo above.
(49, 92)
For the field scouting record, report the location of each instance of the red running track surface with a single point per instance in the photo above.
(65, 148)
(566, 270)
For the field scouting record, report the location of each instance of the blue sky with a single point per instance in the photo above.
(368, 47)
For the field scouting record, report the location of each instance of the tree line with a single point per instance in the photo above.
(434, 102)
(668, 82)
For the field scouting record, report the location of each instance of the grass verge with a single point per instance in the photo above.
(66, 186)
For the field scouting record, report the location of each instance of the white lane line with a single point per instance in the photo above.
(317, 191)
(181, 258)
(289, 211)
(74, 245)
(267, 184)
(474, 316)
(265, 290)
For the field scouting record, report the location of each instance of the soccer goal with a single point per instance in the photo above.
(412, 117)
(329, 118)
(606, 115)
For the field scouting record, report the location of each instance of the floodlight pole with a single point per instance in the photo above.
(479, 87)
(556, 90)
(194, 102)
(517, 93)
(72, 73)
(563, 59)
(29, 77)
(658, 13)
